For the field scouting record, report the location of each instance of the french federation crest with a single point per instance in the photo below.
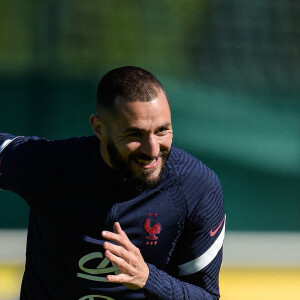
(152, 229)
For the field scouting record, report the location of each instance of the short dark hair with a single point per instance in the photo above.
(132, 83)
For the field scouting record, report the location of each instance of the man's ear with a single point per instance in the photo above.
(98, 128)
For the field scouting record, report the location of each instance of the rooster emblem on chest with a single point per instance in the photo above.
(152, 230)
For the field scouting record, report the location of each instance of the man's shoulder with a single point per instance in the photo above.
(189, 169)
(181, 155)
(197, 182)
(78, 148)
(25, 148)
(77, 143)
(6, 139)
(80, 141)
(72, 144)
(185, 163)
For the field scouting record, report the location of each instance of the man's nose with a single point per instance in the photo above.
(150, 146)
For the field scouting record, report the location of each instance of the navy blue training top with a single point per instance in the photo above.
(73, 196)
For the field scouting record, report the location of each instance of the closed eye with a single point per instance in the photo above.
(135, 132)
(163, 129)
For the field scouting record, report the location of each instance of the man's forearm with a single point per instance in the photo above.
(162, 286)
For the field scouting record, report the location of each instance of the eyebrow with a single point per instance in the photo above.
(164, 126)
(138, 129)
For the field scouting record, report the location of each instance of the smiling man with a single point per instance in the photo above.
(136, 137)
(122, 214)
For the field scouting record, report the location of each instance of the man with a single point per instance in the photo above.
(122, 214)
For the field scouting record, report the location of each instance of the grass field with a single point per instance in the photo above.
(235, 283)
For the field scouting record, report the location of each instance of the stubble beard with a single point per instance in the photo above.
(144, 179)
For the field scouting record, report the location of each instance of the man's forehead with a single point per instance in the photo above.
(119, 100)
(142, 116)
(157, 105)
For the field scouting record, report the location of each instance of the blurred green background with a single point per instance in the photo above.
(231, 69)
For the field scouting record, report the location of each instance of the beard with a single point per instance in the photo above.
(143, 180)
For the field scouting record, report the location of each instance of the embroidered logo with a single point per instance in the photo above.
(213, 232)
(152, 230)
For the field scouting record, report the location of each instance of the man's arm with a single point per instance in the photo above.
(135, 273)
(30, 165)
(5, 140)
(26, 163)
(19, 164)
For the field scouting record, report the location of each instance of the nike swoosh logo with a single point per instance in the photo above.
(213, 232)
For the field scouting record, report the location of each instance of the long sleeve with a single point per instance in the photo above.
(7, 143)
(22, 159)
(30, 165)
(162, 286)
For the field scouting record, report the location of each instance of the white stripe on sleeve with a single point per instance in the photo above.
(205, 259)
(6, 143)
(3, 146)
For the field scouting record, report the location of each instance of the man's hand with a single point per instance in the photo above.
(127, 257)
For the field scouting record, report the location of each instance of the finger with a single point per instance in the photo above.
(115, 238)
(121, 278)
(118, 261)
(117, 228)
(118, 237)
(117, 250)
(128, 279)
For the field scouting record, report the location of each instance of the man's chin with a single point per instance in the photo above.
(146, 184)
(148, 179)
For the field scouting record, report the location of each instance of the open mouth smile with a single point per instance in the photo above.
(148, 163)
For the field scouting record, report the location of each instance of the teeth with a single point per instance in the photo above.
(146, 162)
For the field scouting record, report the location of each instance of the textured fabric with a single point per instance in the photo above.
(73, 196)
